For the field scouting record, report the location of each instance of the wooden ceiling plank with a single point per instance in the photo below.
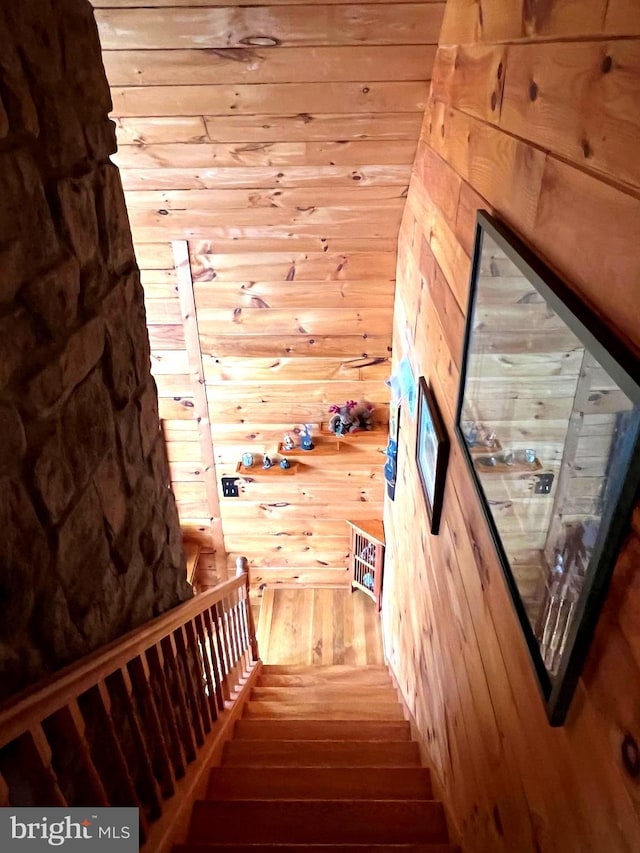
(234, 27)
(365, 96)
(156, 4)
(373, 293)
(267, 65)
(201, 407)
(242, 199)
(291, 265)
(264, 176)
(276, 346)
(298, 127)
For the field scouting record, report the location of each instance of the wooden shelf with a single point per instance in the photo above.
(350, 437)
(274, 471)
(320, 448)
(503, 468)
(478, 450)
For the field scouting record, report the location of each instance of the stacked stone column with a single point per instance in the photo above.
(90, 542)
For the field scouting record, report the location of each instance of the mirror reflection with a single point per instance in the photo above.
(549, 434)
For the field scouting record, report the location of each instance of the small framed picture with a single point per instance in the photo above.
(432, 453)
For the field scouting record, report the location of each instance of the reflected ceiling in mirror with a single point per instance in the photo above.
(549, 419)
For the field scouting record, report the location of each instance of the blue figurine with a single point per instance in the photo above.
(284, 464)
(305, 438)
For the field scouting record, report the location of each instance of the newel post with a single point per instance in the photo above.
(242, 568)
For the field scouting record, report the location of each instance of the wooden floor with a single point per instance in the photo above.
(318, 626)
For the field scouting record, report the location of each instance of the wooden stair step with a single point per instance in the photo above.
(320, 783)
(322, 730)
(318, 821)
(335, 710)
(316, 848)
(293, 753)
(326, 694)
(332, 670)
(310, 679)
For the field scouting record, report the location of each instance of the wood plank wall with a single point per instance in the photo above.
(278, 139)
(534, 114)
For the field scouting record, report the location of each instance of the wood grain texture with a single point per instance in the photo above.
(286, 166)
(318, 626)
(580, 101)
(513, 782)
(133, 130)
(288, 26)
(362, 97)
(219, 66)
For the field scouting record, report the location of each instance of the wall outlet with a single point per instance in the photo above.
(230, 487)
(543, 484)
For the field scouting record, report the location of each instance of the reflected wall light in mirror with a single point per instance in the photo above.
(548, 419)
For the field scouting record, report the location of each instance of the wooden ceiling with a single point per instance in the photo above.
(277, 140)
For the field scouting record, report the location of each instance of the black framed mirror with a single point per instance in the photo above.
(548, 418)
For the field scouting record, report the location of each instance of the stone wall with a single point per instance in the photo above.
(90, 544)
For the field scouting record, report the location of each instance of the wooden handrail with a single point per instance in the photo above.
(48, 696)
(136, 711)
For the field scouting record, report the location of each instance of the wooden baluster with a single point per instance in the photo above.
(217, 627)
(244, 624)
(36, 752)
(207, 658)
(233, 620)
(197, 653)
(121, 682)
(244, 634)
(224, 637)
(184, 722)
(218, 673)
(231, 628)
(98, 701)
(5, 799)
(242, 568)
(139, 671)
(69, 722)
(156, 667)
(234, 673)
(194, 707)
(237, 621)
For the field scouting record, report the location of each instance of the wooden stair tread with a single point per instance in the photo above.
(322, 729)
(319, 821)
(326, 693)
(322, 760)
(373, 678)
(322, 671)
(317, 848)
(336, 709)
(388, 783)
(288, 753)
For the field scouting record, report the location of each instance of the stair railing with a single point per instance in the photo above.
(121, 726)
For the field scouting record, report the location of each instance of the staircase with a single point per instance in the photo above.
(321, 760)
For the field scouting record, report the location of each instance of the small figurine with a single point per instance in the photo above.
(305, 438)
(284, 464)
(266, 463)
(247, 460)
(287, 442)
(350, 417)
(341, 423)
